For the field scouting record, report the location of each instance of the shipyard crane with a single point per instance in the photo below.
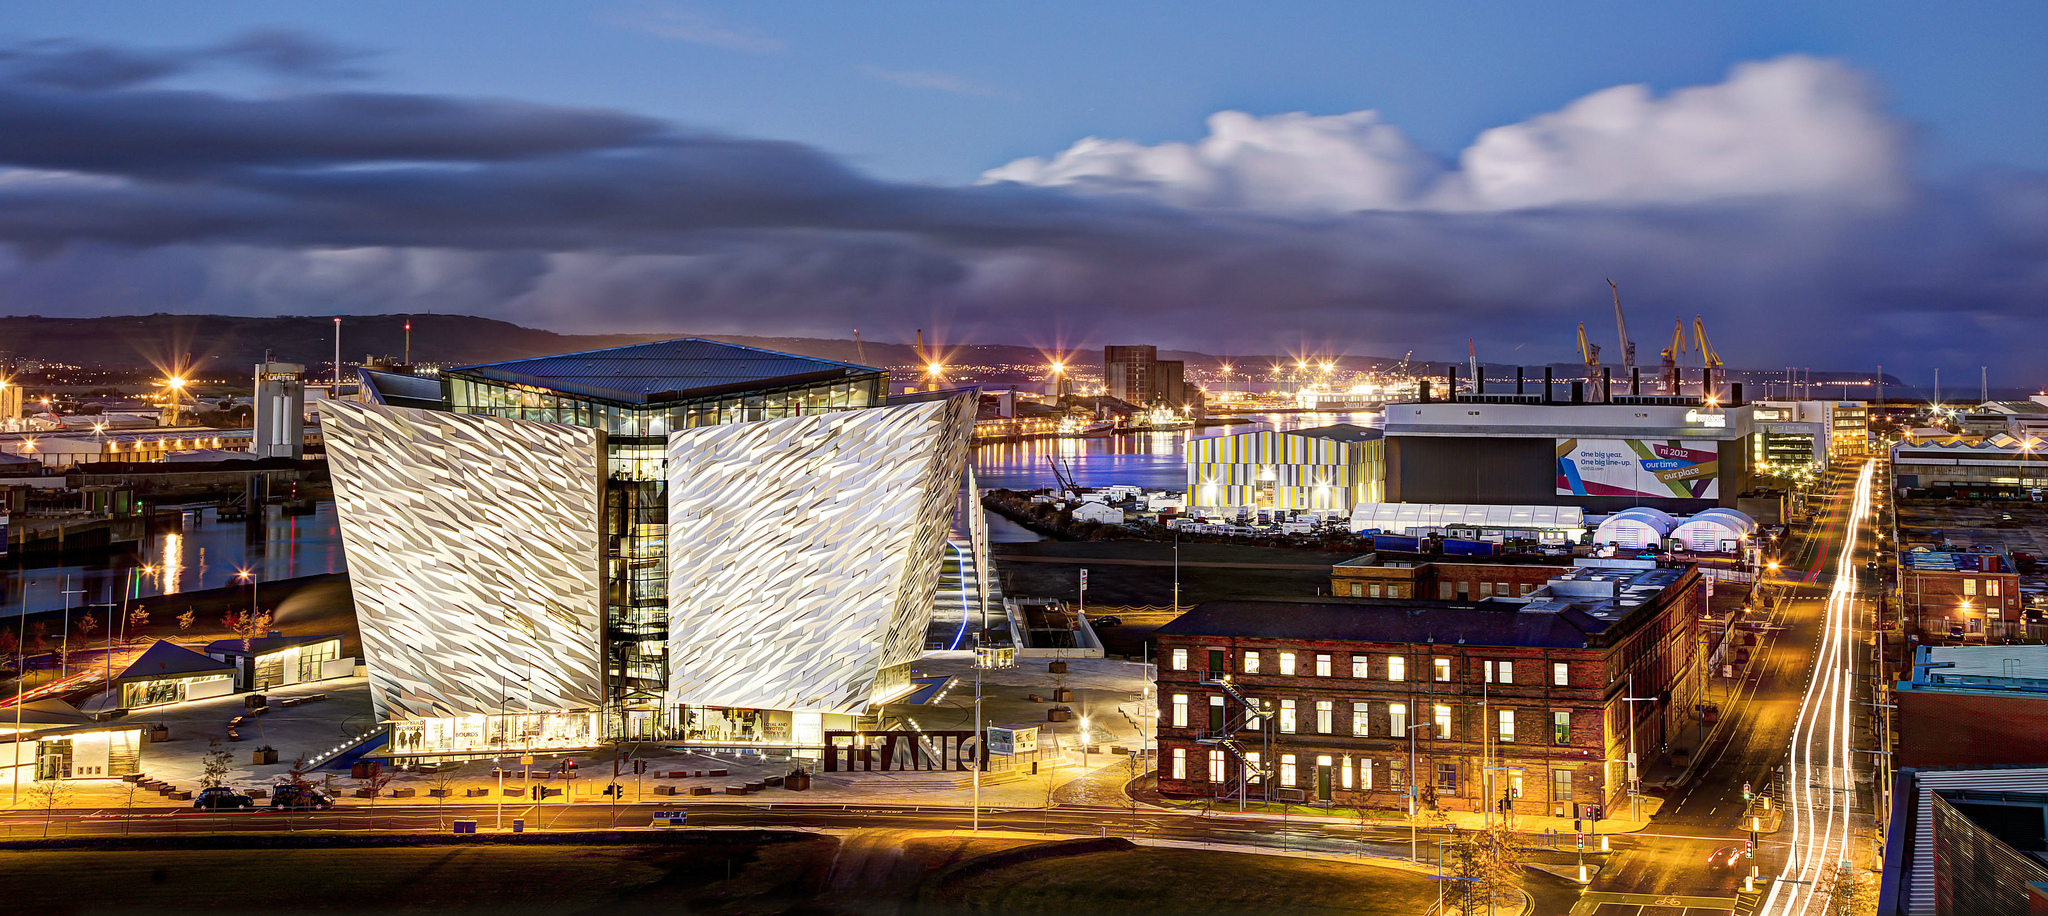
(1628, 347)
(1590, 352)
(1671, 353)
(1708, 357)
(859, 352)
(1472, 360)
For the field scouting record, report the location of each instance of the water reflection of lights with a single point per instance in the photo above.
(173, 564)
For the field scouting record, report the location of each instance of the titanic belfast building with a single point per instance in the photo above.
(684, 540)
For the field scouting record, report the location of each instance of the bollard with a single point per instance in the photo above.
(1582, 874)
(1748, 884)
(1603, 843)
(519, 825)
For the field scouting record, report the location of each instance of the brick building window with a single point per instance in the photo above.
(1360, 665)
(1443, 722)
(1347, 772)
(1216, 773)
(1561, 787)
(1322, 664)
(1287, 664)
(1561, 727)
(1500, 672)
(1397, 668)
(1397, 775)
(1365, 773)
(1251, 662)
(1180, 763)
(1447, 778)
(1970, 587)
(1287, 777)
(1443, 669)
(1180, 710)
(1991, 588)
(1560, 674)
(1358, 590)
(1397, 719)
(1507, 726)
(1359, 723)
(1326, 715)
(1287, 717)
(1179, 660)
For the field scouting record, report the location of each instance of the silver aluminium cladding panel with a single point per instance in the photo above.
(804, 553)
(475, 553)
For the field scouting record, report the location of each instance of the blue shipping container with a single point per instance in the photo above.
(1459, 547)
(1397, 543)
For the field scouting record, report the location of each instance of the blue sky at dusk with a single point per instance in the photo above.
(1866, 181)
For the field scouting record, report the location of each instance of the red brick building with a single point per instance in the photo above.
(1317, 699)
(1374, 576)
(1964, 596)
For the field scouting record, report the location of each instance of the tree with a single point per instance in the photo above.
(246, 624)
(10, 649)
(87, 626)
(214, 767)
(50, 793)
(41, 629)
(1845, 890)
(138, 619)
(1486, 866)
(441, 782)
(185, 619)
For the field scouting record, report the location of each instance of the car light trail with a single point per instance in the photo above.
(1821, 783)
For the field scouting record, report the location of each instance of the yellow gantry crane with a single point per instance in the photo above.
(1590, 352)
(1671, 353)
(1628, 347)
(1708, 357)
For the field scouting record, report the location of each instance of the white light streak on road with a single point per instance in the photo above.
(1821, 790)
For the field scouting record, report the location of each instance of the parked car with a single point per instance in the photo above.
(1109, 620)
(286, 795)
(217, 797)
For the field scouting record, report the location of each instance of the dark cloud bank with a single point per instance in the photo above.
(119, 195)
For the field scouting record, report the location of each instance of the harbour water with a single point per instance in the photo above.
(201, 552)
(193, 553)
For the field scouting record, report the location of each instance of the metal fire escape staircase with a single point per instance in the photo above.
(1245, 720)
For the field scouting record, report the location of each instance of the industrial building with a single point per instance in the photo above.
(1328, 469)
(1999, 467)
(1556, 525)
(279, 410)
(1137, 376)
(1670, 453)
(1351, 701)
(2014, 418)
(684, 540)
(1964, 595)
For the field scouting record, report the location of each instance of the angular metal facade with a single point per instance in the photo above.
(804, 553)
(475, 552)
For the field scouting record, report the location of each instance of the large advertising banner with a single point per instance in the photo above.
(1638, 467)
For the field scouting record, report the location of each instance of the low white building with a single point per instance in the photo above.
(1098, 513)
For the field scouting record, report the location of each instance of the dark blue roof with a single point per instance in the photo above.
(666, 370)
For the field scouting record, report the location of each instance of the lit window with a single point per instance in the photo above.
(1287, 777)
(1358, 666)
(1559, 674)
(1991, 588)
(1443, 669)
(1322, 664)
(1251, 762)
(1216, 773)
(1287, 717)
(1251, 663)
(1347, 772)
(1397, 668)
(1365, 773)
(1561, 727)
(1397, 719)
(1360, 726)
(1485, 589)
(1180, 763)
(1325, 716)
(1287, 663)
(1180, 660)
(1397, 775)
(1443, 722)
(1180, 710)
(1970, 587)
(1500, 672)
(1507, 726)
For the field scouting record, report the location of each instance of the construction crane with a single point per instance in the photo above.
(1590, 352)
(1671, 353)
(1628, 347)
(1472, 361)
(859, 352)
(1708, 357)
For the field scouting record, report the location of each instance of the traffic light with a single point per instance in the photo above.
(639, 766)
(1745, 792)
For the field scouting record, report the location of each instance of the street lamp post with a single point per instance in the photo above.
(1413, 856)
(1634, 795)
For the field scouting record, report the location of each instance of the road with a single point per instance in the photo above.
(1793, 709)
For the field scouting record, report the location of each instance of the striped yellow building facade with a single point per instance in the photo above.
(1325, 469)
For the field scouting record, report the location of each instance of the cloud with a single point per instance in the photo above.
(285, 52)
(1791, 127)
(119, 197)
(681, 24)
(928, 79)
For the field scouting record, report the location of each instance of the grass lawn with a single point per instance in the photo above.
(432, 879)
(1188, 882)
